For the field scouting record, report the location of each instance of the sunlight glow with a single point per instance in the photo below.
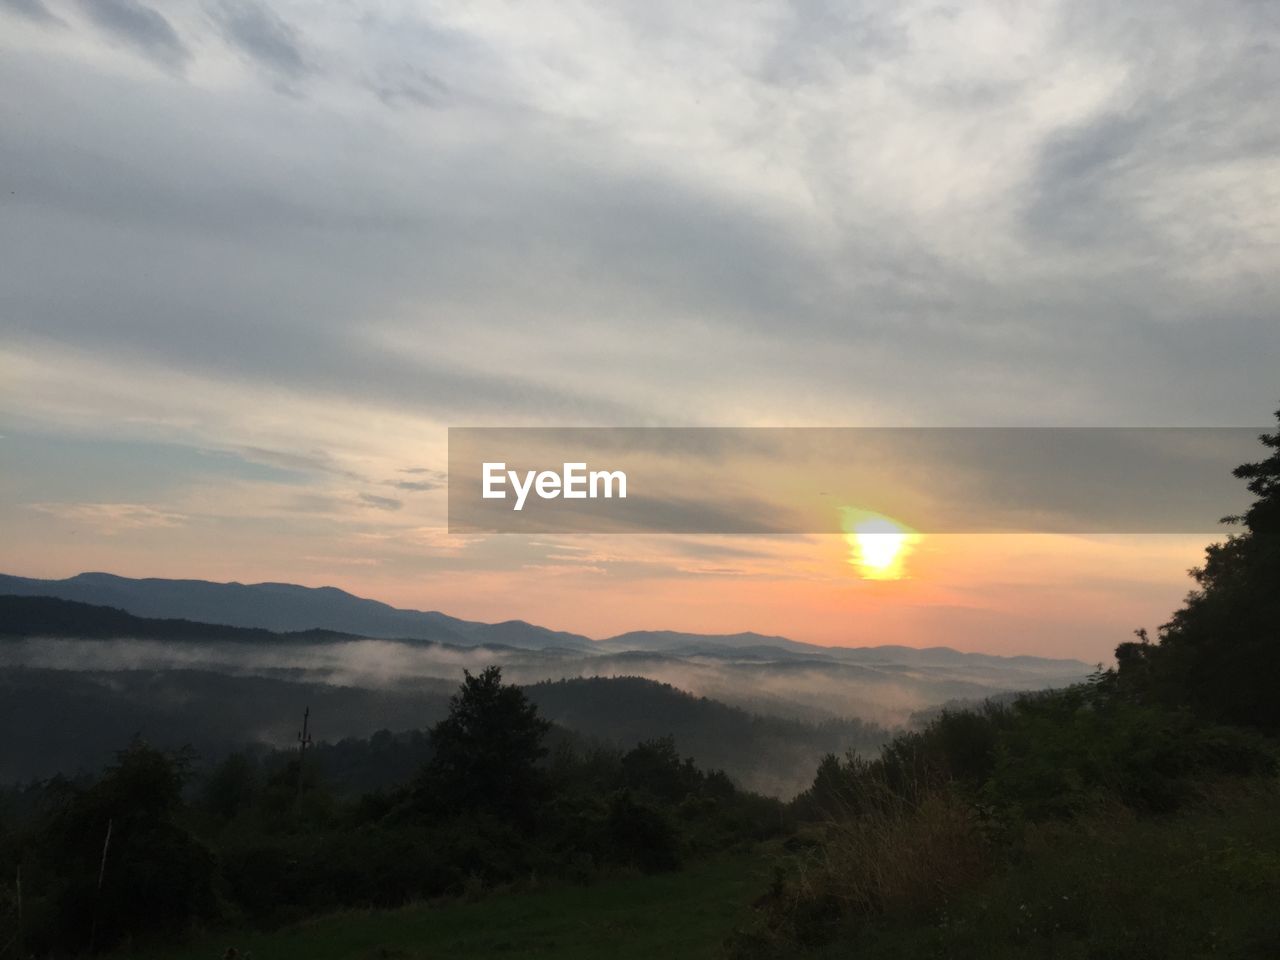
(878, 546)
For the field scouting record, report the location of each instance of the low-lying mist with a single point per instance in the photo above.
(766, 720)
(810, 688)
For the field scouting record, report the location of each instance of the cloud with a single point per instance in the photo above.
(111, 518)
(141, 27)
(259, 33)
(424, 479)
(787, 214)
(413, 86)
(968, 264)
(31, 9)
(381, 503)
(313, 462)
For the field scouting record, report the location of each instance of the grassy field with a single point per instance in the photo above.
(1196, 886)
(686, 914)
(1199, 885)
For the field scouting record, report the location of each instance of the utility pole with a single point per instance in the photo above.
(304, 741)
(102, 872)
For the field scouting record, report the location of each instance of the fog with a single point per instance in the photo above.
(887, 691)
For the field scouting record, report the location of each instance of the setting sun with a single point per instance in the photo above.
(878, 545)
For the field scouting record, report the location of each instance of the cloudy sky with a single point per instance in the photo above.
(256, 258)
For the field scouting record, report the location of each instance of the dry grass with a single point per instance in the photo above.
(892, 860)
(898, 860)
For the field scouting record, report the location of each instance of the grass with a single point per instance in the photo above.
(1198, 885)
(1201, 884)
(685, 914)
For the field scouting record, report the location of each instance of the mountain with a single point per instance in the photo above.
(70, 721)
(684, 644)
(51, 617)
(761, 647)
(292, 609)
(284, 607)
(215, 685)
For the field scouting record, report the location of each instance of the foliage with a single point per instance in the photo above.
(1014, 783)
(112, 861)
(1220, 653)
(945, 807)
(1131, 816)
(500, 800)
(485, 753)
(769, 754)
(1200, 884)
(631, 916)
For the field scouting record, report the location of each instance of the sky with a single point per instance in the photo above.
(255, 259)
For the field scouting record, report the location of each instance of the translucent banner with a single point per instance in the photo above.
(827, 480)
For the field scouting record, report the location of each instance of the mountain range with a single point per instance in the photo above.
(90, 661)
(293, 609)
(284, 607)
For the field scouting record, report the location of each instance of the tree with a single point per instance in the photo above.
(231, 788)
(1220, 653)
(655, 767)
(485, 753)
(152, 876)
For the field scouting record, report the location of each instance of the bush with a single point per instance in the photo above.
(888, 862)
(641, 836)
(156, 878)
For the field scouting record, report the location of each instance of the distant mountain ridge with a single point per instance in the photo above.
(284, 608)
(39, 616)
(292, 609)
(671, 641)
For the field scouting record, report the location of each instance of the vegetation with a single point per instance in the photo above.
(1128, 817)
(73, 720)
(148, 851)
(634, 916)
(1220, 654)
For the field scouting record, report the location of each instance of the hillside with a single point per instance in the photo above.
(69, 721)
(40, 616)
(884, 685)
(290, 608)
(282, 607)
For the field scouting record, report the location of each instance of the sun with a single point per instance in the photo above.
(878, 545)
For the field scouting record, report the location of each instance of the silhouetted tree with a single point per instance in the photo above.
(485, 753)
(641, 835)
(154, 876)
(655, 767)
(231, 788)
(1220, 653)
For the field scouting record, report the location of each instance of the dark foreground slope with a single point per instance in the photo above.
(497, 801)
(688, 914)
(1197, 886)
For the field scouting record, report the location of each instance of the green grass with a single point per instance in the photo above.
(686, 914)
(1198, 885)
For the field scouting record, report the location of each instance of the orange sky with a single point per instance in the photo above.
(1045, 595)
